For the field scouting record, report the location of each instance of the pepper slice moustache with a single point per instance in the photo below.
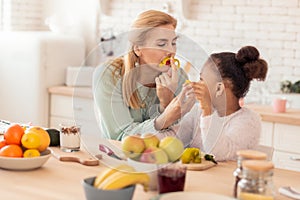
(167, 61)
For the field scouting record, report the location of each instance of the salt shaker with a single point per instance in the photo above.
(256, 182)
(241, 156)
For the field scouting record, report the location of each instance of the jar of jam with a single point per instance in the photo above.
(241, 156)
(256, 182)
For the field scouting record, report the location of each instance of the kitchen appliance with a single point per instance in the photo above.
(30, 63)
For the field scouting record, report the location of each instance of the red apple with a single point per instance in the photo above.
(133, 146)
(154, 155)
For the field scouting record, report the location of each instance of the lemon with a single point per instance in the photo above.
(31, 140)
(44, 137)
(29, 153)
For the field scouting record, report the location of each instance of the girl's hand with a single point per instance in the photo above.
(203, 96)
(166, 85)
(177, 108)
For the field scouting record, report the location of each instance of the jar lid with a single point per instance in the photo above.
(257, 165)
(251, 154)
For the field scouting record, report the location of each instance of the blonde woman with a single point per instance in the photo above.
(131, 92)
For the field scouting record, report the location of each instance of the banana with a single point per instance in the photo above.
(123, 179)
(108, 172)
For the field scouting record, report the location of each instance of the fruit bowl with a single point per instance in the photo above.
(92, 193)
(11, 163)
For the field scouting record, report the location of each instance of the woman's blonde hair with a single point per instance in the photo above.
(145, 22)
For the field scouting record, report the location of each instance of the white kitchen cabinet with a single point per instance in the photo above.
(284, 160)
(65, 109)
(286, 145)
(266, 137)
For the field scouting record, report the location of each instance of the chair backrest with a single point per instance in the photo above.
(267, 150)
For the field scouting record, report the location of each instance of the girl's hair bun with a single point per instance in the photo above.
(253, 66)
(247, 54)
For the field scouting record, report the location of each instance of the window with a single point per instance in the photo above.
(21, 15)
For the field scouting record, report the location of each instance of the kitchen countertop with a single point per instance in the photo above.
(52, 182)
(85, 92)
(291, 116)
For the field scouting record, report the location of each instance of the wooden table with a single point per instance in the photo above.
(63, 180)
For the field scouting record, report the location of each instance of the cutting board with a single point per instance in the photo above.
(81, 157)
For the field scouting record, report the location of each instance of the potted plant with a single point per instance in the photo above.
(289, 87)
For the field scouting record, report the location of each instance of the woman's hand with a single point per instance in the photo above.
(166, 85)
(177, 108)
(203, 96)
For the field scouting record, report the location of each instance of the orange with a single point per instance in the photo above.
(13, 134)
(44, 137)
(11, 150)
(2, 143)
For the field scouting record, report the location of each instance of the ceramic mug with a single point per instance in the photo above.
(279, 105)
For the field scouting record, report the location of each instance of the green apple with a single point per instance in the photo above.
(133, 146)
(150, 140)
(173, 147)
(154, 155)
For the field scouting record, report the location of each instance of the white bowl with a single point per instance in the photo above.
(24, 163)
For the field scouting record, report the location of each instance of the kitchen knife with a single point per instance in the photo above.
(109, 151)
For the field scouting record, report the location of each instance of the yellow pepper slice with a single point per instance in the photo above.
(167, 59)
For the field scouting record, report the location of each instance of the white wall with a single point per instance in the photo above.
(273, 26)
(77, 17)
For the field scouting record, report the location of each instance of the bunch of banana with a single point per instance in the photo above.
(121, 177)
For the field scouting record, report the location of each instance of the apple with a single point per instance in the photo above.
(154, 155)
(150, 140)
(133, 146)
(173, 147)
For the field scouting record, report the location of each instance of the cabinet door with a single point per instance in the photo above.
(266, 136)
(61, 106)
(287, 138)
(66, 109)
(284, 160)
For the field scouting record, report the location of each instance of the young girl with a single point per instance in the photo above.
(218, 125)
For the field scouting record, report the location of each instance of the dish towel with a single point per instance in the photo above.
(290, 192)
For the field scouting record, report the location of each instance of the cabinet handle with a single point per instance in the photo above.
(294, 158)
(77, 108)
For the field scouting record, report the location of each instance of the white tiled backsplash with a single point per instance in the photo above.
(273, 26)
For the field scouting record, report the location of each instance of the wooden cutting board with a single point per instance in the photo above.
(81, 157)
(200, 166)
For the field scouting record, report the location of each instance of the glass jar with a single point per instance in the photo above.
(256, 182)
(241, 156)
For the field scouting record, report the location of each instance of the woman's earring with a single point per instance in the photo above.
(136, 64)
